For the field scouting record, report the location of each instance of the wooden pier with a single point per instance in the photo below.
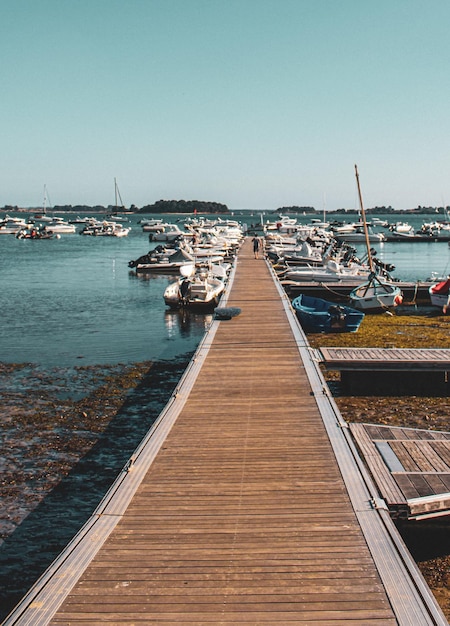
(246, 503)
(390, 371)
(411, 467)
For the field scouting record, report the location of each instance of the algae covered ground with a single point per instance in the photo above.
(65, 435)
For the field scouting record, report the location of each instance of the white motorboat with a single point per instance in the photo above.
(105, 229)
(162, 260)
(151, 225)
(331, 272)
(300, 252)
(60, 226)
(12, 225)
(358, 236)
(201, 290)
(400, 231)
(168, 232)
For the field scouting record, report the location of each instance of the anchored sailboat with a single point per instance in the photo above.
(118, 208)
(42, 216)
(377, 293)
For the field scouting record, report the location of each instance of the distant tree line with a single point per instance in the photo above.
(296, 209)
(184, 206)
(199, 206)
(77, 208)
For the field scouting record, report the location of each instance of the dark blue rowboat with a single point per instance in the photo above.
(320, 316)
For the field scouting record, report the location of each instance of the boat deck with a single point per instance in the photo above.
(410, 466)
(245, 504)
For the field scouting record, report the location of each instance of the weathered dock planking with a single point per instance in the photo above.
(410, 466)
(245, 504)
(404, 359)
(390, 371)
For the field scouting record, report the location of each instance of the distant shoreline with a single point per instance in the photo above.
(338, 212)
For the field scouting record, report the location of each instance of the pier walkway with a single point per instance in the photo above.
(245, 504)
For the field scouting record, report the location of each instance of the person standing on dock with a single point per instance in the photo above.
(256, 244)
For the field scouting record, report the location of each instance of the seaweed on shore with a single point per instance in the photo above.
(66, 435)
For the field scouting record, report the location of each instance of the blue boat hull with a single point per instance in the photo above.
(320, 316)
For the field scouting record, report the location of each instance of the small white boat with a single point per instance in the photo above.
(201, 290)
(60, 226)
(168, 232)
(11, 225)
(105, 229)
(375, 295)
(358, 236)
(163, 261)
(151, 225)
(440, 295)
(401, 231)
(331, 272)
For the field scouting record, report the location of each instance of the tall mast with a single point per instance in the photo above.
(363, 213)
(117, 195)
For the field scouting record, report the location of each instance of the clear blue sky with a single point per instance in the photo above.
(253, 103)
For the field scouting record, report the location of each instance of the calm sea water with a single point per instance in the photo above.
(74, 301)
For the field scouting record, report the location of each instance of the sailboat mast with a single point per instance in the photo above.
(117, 196)
(363, 213)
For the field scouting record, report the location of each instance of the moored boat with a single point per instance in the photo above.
(11, 225)
(168, 232)
(376, 295)
(60, 226)
(440, 294)
(163, 260)
(36, 233)
(321, 316)
(200, 290)
(105, 229)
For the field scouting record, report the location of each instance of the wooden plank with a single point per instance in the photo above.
(420, 359)
(387, 485)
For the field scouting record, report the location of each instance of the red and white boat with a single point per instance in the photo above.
(440, 294)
